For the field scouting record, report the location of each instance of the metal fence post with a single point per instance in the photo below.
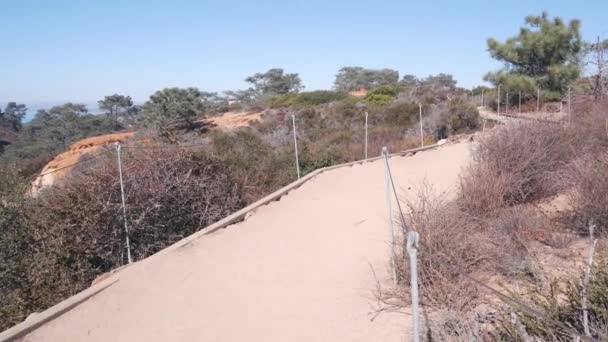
(593, 243)
(569, 104)
(389, 212)
(507, 102)
(124, 209)
(366, 115)
(538, 99)
(498, 108)
(519, 105)
(295, 144)
(421, 131)
(412, 251)
(482, 103)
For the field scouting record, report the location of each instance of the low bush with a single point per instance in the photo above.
(524, 159)
(445, 325)
(449, 249)
(255, 164)
(588, 197)
(555, 314)
(318, 97)
(15, 248)
(462, 116)
(78, 230)
(453, 245)
(382, 95)
(307, 98)
(452, 117)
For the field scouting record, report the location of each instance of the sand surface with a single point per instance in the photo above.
(299, 269)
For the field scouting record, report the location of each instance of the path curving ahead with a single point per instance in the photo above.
(299, 269)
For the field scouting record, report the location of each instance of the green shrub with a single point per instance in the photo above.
(400, 114)
(312, 98)
(382, 95)
(380, 99)
(308, 98)
(462, 116)
(257, 166)
(284, 100)
(15, 248)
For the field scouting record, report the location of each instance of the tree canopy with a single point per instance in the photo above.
(12, 116)
(355, 78)
(545, 53)
(10, 123)
(173, 108)
(117, 107)
(52, 131)
(61, 123)
(274, 82)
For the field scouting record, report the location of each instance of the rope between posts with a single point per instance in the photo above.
(390, 176)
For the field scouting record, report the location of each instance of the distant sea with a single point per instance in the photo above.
(34, 106)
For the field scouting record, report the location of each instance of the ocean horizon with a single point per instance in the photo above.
(34, 106)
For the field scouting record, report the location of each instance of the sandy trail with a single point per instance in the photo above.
(299, 269)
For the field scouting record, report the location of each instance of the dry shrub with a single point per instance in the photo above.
(512, 228)
(454, 245)
(483, 189)
(557, 310)
(523, 159)
(78, 227)
(455, 326)
(590, 122)
(589, 195)
(451, 246)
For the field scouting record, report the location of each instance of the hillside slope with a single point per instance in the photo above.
(58, 168)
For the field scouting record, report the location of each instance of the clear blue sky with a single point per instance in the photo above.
(55, 50)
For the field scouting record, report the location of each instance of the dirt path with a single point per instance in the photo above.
(488, 114)
(299, 269)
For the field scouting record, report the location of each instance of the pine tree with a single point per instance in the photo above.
(544, 54)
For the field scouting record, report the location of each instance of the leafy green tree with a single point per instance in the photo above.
(10, 123)
(440, 80)
(15, 247)
(544, 54)
(61, 123)
(52, 131)
(275, 82)
(355, 78)
(212, 102)
(246, 95)
(12, 116)
(410, 81)
(118, 108)
(173, 108)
